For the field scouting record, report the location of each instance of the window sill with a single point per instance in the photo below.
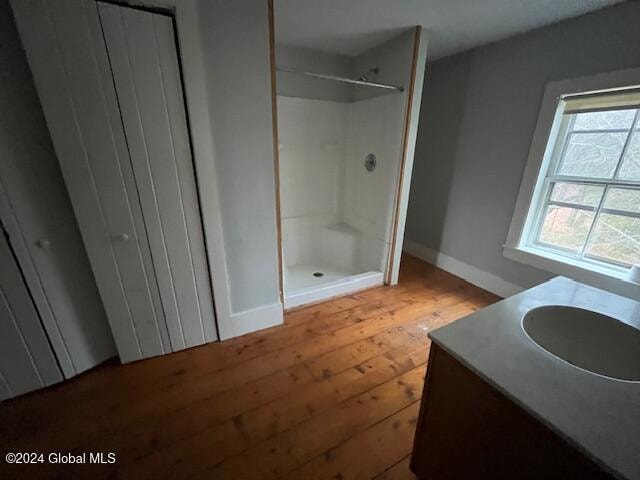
(599, 277)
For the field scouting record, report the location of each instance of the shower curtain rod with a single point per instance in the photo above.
(340, 79)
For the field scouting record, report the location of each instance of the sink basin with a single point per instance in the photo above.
(588, 340)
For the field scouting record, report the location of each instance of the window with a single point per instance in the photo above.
(588, 208)
(578, 208)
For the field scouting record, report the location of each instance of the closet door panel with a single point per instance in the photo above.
(38, 216)
(64, 56)
(120, 143)
(60, 280)
(143, 58)
(87, 87)
(20, 246)
(176, 114)
(27, 361)
(19, 374)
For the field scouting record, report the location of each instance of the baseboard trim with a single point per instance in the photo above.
(252, 320)
(485, 280)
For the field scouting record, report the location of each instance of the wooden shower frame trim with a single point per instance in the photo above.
(276, 150)
(403, 158)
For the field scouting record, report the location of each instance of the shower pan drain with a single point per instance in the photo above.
(318, 274)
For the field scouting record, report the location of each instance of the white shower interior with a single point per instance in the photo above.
(337, 215)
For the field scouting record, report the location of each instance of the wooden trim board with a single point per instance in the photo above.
(403, 159)
(276, 150)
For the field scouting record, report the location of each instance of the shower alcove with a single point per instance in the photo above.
(344, 143)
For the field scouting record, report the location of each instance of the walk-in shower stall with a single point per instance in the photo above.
(342, 137)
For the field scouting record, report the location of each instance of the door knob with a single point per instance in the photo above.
(121, 237)
(43, 243)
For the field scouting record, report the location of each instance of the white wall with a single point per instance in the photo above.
(478, 116)
(236, 58)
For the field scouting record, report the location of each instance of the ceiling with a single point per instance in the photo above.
(349, 27)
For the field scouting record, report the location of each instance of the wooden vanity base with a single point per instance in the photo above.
(469, 430)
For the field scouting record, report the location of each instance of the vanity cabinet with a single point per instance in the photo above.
(468, 429)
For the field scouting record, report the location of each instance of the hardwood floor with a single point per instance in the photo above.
(332, 393)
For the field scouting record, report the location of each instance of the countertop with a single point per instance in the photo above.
(598, 415)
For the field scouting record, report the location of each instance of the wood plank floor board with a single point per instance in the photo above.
(286, 451)
(266, 420)
(264, 428)
(264, 405)
(126, 406)
(206, 361)
(399, 471)
(365, 455)
(412, 350)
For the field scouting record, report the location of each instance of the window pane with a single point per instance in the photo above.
(624, 199)
(630, 168)
(566, 227)
(592, 154)
(587, 195)
(616, 238)
(604, 120)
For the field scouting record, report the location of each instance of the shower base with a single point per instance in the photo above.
(301, 286)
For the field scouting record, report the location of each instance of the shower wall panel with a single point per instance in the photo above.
(369, 195)
(333, 209)
(313, 144)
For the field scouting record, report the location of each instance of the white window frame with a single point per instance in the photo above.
(534, 186)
